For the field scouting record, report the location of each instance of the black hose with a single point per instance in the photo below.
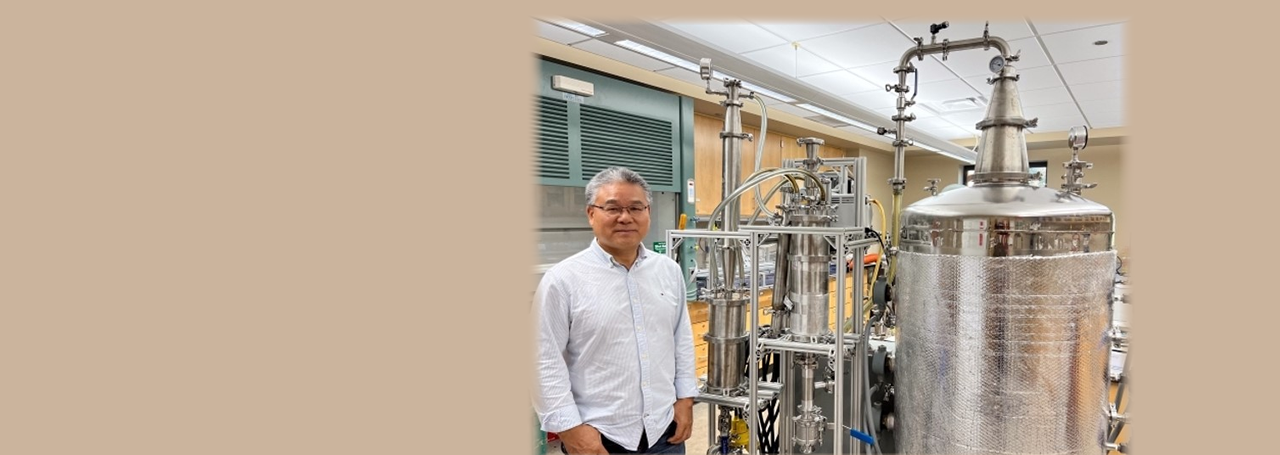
(768, 415)
(872, 425)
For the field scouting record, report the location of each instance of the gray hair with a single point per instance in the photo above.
(617, 175)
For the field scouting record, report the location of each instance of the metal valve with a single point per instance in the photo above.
(933, 187)
(1077, 139)
(934, 29)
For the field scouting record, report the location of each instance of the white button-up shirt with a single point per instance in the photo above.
(615, 345)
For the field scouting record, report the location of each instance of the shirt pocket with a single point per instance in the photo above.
(668, 305)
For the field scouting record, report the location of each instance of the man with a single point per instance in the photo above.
(615, 356)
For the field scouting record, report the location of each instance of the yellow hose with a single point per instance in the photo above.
(894, 231)
(866, 310)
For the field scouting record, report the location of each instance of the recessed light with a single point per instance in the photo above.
(578, 27)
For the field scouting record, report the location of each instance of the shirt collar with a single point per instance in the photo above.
(642, 253)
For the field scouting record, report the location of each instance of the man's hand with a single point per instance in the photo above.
(583, 439)
(684, 421)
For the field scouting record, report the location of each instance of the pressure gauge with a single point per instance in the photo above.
(996, 64)
(1078, 137)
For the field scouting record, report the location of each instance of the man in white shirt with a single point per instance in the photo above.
(615, 349)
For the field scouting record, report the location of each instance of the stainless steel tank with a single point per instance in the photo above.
(1003, 308)
(808, 286)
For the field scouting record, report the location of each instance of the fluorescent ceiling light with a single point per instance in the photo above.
(578, 27)
(651, 52)
(941, 152)
(768, 93)
(833, 115)
(677, 61)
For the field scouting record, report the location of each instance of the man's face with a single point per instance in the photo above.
(626, 229)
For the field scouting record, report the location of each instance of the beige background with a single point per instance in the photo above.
(295, 227)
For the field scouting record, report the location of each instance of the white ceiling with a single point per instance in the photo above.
(1066, 80)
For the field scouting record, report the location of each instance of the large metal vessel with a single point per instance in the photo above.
(1003, 307)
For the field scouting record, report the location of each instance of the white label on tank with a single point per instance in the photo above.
(1117, 364)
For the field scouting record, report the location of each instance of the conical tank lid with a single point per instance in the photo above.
(1002, 151)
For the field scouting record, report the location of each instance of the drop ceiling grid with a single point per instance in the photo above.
(849, 57)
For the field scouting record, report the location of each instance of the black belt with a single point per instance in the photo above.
(613, 447)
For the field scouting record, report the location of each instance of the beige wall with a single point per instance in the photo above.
(879, 171)
(708, 151)
(1107, 172)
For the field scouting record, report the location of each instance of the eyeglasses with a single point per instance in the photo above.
(616, 211)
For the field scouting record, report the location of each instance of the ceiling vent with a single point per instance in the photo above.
(958, 105)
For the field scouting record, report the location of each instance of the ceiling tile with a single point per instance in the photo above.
(1078, 45)
(1091, 71)
(839, 83)
(1062, 123)
(932, 123)
(928, 70)
(966, 119)
(735, 37)
(1107, 120)
(1098, 91)
(934, 93)
(604, 49)
(1031, 79)
(874, 99)
(790, 61)
(975, 62)
(862, 47)
(1044, 96)
(961, 30)
(796, 31)
(559, 34)
(954, 133)
(1100, 106)
(1030, 53)
(1048, 27)
(1051, 111)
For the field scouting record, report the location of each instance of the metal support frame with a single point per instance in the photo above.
(845, 240)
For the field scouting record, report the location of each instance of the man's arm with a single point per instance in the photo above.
(553, 399)
(686, 366)
(686, 369)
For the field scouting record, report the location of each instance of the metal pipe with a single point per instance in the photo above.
(780, 272)
(739, 402)
(784, 404)
(732, 171)
(824, 349)
(899, 181)
(753, 417)
(984, 43)
(757, 179)
(730, 200)
(840, 436)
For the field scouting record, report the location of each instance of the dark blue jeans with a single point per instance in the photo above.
(660, 445)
